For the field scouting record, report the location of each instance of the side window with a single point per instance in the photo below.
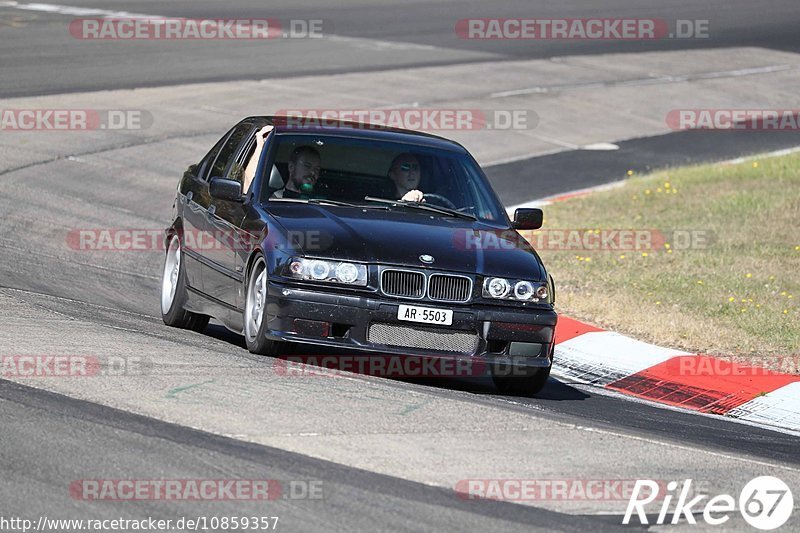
(228, 151)
(236, 172)
(205, 164)
(244, 167)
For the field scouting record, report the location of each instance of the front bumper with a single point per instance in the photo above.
(503, 336)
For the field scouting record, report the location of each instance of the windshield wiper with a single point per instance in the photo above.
(319, 201)
(425, 207)
(315, 201)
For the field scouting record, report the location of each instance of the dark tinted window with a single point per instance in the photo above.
(237, 173)
(228, 151)
(205, 164)
(247, 153)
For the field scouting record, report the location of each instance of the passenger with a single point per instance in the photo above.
(405, 173)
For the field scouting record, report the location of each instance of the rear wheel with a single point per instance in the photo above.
(255, 324)
(173, 292)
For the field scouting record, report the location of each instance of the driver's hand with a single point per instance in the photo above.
(413, 196)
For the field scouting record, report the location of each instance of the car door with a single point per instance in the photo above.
(250, 229)
(194, 199)
(220, 278)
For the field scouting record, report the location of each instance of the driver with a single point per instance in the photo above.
(405, 173)
(304, 166)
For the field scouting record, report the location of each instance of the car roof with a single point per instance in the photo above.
(360, 130)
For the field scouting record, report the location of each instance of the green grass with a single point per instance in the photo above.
(737, 296)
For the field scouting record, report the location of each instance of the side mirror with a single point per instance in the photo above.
(528, 219)
(224, 189)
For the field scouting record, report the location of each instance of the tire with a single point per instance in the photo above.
(529, 385)
(173, 291)
(255, 326)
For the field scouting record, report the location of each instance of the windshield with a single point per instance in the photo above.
(363, 171)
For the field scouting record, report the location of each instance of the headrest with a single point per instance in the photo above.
(275, 179)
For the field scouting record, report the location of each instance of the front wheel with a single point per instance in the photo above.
(528, 385)
(255, 324)
(173, 291)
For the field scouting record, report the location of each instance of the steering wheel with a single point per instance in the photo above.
(439, 199)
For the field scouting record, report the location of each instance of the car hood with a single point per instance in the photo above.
(400, 236)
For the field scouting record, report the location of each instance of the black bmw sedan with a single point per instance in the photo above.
(362, 238)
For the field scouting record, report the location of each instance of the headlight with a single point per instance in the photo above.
(327, 271)
(523, 290)
(498, 288)
(516, 290)
(319, 270)
(347, 272)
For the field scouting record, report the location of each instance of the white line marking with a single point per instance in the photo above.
(602, 391)
(557, 142)
(539, 202)
(776, 153)
(378, 45)
(644, 81)
(9, 244)
(743, 72)
(689, 448)
(78, 11)
(521, 157)
(600, 146)
(374, 45)
(606, 392)
(72, 300)
(543, 90)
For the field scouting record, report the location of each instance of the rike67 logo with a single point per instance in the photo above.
(765, 503)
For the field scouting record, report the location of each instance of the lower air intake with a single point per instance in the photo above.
(443, 340)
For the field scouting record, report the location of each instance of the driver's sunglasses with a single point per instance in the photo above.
(406, 167)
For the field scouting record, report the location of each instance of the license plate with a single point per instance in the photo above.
(426, 315)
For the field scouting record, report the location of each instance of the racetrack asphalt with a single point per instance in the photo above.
(97, 442)
(390, 451)
(41, 57)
